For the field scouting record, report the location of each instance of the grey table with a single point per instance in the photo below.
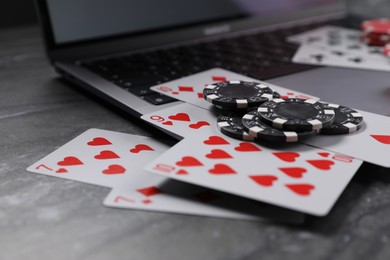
(48, 218)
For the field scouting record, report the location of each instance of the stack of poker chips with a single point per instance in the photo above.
(253, 111)
(376, 32)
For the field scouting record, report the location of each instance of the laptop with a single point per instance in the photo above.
(117, 50)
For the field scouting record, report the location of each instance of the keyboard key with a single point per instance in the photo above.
(159, 99)
(141, 90)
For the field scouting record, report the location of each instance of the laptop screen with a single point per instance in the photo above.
(81, 20)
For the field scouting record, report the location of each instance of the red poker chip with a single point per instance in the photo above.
(376, 36)
(376, 26)
(372, 42)
(386, 50)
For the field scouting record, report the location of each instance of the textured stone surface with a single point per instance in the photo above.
(49, 218)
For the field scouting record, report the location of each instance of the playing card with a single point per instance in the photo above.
(182, 120)
(190, 89)
(317, 35)
(371, 143)
(101, 157)
(337, 39)
(178, 197)
(116, 160)
(319, 55)
(293, 176)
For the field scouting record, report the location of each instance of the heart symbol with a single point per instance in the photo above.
(167, 123)
(70, 160)
(182, 172)
(321, 164)
(61, 170)
(218, 154)
(147, 201)
(185, 89)
(106, 154)
(264, 180)
(222, 169)
(199, 124)
(99, 141)
(301, 189)
(294, 172)
(247, 147)
(180, 117)
(286, 156)
(215, 140)
(189, 161)
(218, 78)
(141, 147)
(114, 169)
(324, 154)
(149, 191)
(384, 139)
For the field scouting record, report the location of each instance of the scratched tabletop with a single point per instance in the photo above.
(42, 217)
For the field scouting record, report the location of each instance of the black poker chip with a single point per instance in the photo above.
(237, 94)
(276, 95)
(295, 114)
(254, 127)
(240, 110)
(346, 120)
(231, 125)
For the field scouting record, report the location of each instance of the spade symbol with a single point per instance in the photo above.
(334, 42)
(313, 39)
(375, 51)
(352, 37)
(318, 57)
(338, 53)
(354, 47)
(356, 60)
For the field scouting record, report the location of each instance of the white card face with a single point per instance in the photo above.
(371, 143)
(117, 160)
(178, 197)
(319, 55)
(317, 35)
(190, 89)
(337, 38)
(183, 119)
(294, 176)
(101, 157)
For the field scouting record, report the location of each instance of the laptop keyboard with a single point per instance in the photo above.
(262, 55)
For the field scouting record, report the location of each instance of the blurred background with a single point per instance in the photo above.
(17, 13)
(369, 8)
(21, 12)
